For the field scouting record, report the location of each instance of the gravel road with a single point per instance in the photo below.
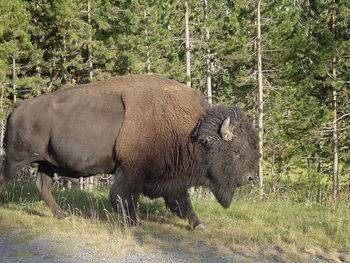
(59, 249)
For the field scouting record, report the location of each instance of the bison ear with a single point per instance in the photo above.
(225, 132)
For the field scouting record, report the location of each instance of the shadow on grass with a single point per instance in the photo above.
(158, 223)
(83, 203)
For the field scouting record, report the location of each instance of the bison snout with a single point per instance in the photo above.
(247, 179)
(251, 179)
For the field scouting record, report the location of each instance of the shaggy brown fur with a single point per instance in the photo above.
(166, 112)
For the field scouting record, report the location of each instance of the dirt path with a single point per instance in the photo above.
(59, 249)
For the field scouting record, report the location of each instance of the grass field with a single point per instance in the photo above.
(285, 230)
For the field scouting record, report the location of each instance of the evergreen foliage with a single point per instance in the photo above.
(48, 45)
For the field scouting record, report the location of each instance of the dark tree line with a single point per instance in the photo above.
(304, 75)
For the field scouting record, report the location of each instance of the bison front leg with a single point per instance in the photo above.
(180, 204)
(43, 184)
(124, 198)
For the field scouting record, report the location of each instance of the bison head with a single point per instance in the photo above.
(230, 151)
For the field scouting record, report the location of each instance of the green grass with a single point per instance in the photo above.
(286, 230)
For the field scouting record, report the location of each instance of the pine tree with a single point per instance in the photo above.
(19, 57)
(298, 68)
(65, 37)
(294, 114)
(208, 63)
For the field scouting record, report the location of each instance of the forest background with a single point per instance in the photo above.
(305, 78)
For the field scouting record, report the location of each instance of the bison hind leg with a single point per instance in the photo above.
(9, 170)
(43, 184)
(3, 180)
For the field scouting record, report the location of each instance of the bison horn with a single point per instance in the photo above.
(225, 132)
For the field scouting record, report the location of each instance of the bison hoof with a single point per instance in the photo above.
(60, 215)
(200, 227)
(137, 225)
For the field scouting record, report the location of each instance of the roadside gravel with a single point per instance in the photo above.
(59, 249)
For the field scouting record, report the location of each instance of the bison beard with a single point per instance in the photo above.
(158, 136)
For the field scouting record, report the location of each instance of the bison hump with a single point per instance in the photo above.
(160, 117)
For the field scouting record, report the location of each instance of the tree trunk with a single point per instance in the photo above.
(273, 177)
(187, 43)
(89, 46)
(320, 169)
(148, 62)
(14, 78)
(81, 179)
(90, 182)
(2, 122)
(188, 55)
(335, 123)
(261, 101)
(208, 54)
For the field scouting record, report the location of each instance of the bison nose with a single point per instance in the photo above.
(251, 177)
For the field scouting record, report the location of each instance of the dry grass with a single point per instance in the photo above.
(286, 231)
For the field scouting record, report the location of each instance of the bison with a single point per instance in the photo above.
(161, 136)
